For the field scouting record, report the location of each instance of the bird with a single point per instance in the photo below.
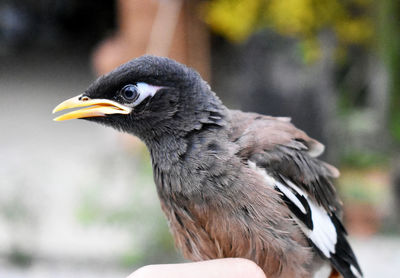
(230, 183)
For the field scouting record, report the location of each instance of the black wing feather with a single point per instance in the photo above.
(344, 256)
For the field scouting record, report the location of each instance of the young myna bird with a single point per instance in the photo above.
(231, 184)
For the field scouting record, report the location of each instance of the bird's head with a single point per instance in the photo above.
(147, 96)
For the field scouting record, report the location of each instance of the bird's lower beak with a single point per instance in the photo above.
(93, 108)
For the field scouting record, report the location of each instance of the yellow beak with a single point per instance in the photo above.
(93, 108)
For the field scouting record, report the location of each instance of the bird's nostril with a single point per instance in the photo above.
(84, 98)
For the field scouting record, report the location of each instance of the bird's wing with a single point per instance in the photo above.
(278, 146)
(286, 158)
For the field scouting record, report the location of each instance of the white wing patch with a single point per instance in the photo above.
(323, 234)
(291, 196)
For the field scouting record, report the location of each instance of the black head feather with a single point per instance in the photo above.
(184, 102)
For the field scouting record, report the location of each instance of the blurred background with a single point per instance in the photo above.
(78, 200)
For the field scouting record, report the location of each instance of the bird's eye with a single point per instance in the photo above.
(130, 92)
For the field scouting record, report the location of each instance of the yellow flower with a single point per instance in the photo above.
(359, 31)
(302, 19)
(236, 19)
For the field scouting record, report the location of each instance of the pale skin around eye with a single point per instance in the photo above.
(220, 268)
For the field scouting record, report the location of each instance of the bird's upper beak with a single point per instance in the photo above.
(93, 108)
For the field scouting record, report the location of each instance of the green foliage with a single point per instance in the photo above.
(364, 159)
(158, 249)
(368, 185)
(20, 257)
(389, 38)
(351, 20)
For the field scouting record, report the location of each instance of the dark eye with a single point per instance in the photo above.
(130, 92)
